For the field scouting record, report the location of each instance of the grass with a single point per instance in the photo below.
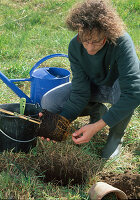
(29, 31)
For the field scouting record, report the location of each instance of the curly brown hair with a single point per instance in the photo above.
(96, 14)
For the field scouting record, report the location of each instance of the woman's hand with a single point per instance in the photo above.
(47, 139)
(84, 134)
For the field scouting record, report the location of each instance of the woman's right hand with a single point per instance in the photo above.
(42, 138)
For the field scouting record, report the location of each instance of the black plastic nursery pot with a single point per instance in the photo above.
(21, 131)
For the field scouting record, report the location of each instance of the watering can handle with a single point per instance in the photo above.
(44, 59)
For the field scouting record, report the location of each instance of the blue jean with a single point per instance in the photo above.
(54, 99)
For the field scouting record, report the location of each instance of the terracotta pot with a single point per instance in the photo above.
(100, 189)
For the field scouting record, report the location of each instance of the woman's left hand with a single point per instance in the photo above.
(84, 134)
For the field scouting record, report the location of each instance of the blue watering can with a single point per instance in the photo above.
(42, 80)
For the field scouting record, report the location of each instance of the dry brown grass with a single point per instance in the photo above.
(60, 163)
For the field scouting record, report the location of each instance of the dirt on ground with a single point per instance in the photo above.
(68, 164)
(129, 183)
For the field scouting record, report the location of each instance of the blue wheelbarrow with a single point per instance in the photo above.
(42, 80)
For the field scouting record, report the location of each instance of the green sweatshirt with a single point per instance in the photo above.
(110, 63)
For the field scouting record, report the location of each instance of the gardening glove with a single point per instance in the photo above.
(53, 126)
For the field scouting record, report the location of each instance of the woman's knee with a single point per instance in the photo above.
(48, 102)
(54, 99)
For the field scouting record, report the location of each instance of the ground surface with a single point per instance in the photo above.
(127, 182)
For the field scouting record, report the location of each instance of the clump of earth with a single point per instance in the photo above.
(129, 183)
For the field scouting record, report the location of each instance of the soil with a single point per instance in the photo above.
(129, 183)
(68, 164)
(110, 196)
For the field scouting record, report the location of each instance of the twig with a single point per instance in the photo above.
(21, 116)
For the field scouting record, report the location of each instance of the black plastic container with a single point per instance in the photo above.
(18, 129)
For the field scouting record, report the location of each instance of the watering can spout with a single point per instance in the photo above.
(13, 87)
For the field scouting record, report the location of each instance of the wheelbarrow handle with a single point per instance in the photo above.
(44, 59)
